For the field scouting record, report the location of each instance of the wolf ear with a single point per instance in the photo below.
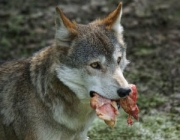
(65, 29)
(112, 21)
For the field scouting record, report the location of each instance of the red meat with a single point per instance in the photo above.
(107, 109)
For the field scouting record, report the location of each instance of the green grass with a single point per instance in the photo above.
(158, 126)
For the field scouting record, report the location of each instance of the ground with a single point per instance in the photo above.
(152, 35)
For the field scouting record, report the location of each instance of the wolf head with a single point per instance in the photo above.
(94, 56)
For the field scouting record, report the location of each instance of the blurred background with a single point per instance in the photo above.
(152, 34)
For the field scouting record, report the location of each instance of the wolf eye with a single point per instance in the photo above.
(95, 65)
(119, 60)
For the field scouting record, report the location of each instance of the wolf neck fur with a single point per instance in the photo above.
(43, 75)
(63, 102)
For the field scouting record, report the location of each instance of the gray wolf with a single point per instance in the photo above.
(46, 96)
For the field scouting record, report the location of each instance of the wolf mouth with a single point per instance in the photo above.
(92, 94)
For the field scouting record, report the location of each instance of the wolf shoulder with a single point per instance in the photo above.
(14, 77)
(13, 69)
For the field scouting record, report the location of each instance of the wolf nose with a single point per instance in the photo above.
(123, 92)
